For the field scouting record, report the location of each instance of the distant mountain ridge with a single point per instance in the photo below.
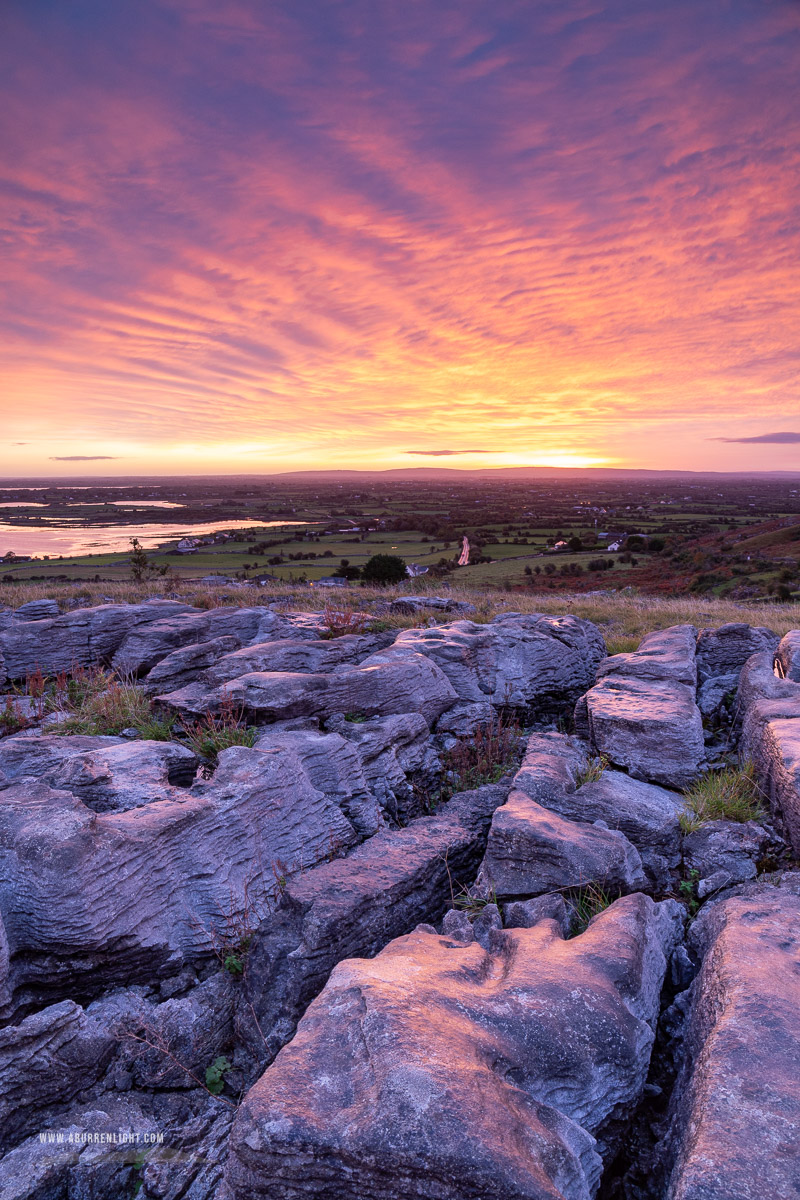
(430, 474)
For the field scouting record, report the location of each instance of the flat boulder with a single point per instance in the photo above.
(531, 850)
(187, 663)
(560, 774)
(651, 727)
(444, 1070)
(666, 654)
(311, 655)
(127, 775)
(41, 755)
(734, 1119)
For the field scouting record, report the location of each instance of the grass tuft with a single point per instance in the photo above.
(732, 794)
(591, 771)
(215, 732)
(585, 904)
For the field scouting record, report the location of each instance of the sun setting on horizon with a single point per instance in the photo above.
(281, 237)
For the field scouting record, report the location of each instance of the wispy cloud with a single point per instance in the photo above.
(445, 453)
(82, 457)
(331, 227)
(776, 438)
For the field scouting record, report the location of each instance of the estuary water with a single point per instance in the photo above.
(62, 540)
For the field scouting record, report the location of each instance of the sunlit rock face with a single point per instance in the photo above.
(248, 921)
(771, 738)
(735, 1111)
(445, 1070)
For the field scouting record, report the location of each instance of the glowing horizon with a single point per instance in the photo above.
(256, 238)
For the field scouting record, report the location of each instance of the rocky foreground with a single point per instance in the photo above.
(304, 968)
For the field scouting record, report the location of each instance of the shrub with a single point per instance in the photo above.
(383, 569)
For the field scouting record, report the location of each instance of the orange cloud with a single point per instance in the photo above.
(311, 232)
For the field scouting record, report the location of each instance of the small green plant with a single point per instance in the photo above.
(586, 903)
(215, 732)
(688, 892)
(732, 794)
(355, 718)
(232, 962)
(591, 771)
(215, 1074)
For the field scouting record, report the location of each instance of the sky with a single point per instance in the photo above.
(268, 235)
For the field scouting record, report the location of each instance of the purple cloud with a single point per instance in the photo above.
(781, 438)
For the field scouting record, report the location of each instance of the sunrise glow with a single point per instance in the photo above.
(243, 236)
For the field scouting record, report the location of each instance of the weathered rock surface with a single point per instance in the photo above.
(353, 906)
(85, 637)
(724, 853)
(415, 604)
(378, 687)
(335, 769)
(532, 850)
(514, 661)
(735, 1113)
(398, 761)
(184, 665)
(652, 728)
(167, 1045)
(787, 655)
(44, 1061)
(666, 654)
(315, 656)
(40, 756)
(37, 610)
(439, 1069)
(524, 914)
(647, 815)
(771, 739)
(94, 900)
(145, 646)
(122, 776)
(725, 650)
(714, 692)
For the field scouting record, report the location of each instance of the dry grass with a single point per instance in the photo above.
(623, 617)
(733, 794)
(491, 752)
(213, 733)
